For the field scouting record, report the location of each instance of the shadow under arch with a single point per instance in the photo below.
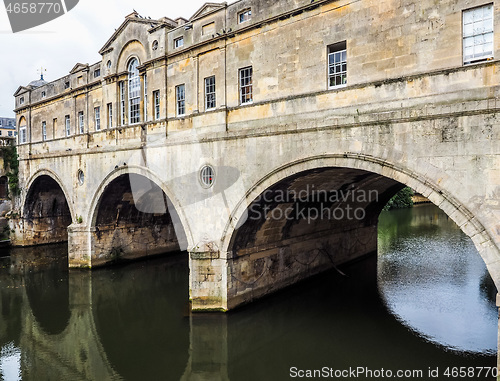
(366, 165)
(46, 212)
(132, 216)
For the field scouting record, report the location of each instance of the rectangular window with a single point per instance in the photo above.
(337, 65)
(156, 96)
(178, 42)
(208, 29)
(245, 16)
(10, 133)
(81, 124)
(44, 94)
(180, 97)
(122, 103)
(23, 134)
(478, 34)
(97, 73)
(0, 132)
(246, 89)
(210, 93)
(44, 131)
(66, 85)
(21, 100)
(145, 98)
(67, 124)
(54, 127)
(110, 115)
(97, 117)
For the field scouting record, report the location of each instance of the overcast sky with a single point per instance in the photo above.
(75, 37)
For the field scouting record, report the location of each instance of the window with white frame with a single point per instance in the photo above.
(81, 124)
(478, 34)
(110, 115)
(134, 92)
(210, 93)
(246, 87)
(180, 97)
(67, 124)
(44, 131)
(156, 96)
(145, 97)
(122, 103)
(178, 42)
(97, 118)
(245, 16)
(337, 65)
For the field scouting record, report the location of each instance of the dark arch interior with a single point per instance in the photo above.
(46, 212)
(4, 187)
(288, 209)
(134, 219)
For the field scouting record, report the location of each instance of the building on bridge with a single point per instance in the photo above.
(203, 134)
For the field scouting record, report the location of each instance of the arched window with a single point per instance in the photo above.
(23, 131)
(134, 92)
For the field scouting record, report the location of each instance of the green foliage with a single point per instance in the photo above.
(401, 200)
(11, 164)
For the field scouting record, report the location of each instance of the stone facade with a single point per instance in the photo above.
(406, 107)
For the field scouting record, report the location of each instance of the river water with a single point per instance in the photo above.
(425, 302)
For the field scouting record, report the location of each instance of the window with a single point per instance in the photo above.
(15, 133)
(210, 93)
(245, 16)
(134, 92)
(67, 124)
(246, 91)
(54, 127)
(66, 85)
(97, 73)
(80, 123)
(178, 42)
(155, 45)
(122, 103)
(207, 176)
(110, 115)
(44, 94)
(180, 97)
(208, 29)
(337, 65)
(145, 97)
(44, 131)
(478, 34)
(23, 135)
(97, 117)
(156, 96)
(108, 64)
(21, 100)
(0, 132)
(10, 133)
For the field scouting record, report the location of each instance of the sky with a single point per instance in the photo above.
(75, 37)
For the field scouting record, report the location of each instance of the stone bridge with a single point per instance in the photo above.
(264, 138)
(297, 185)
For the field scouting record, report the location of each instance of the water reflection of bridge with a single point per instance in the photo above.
(127, 323)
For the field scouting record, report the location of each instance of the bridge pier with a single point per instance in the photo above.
(224, 281)
(79, 246)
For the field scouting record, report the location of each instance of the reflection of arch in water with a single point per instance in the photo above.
(137, 315)
(48, 295)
